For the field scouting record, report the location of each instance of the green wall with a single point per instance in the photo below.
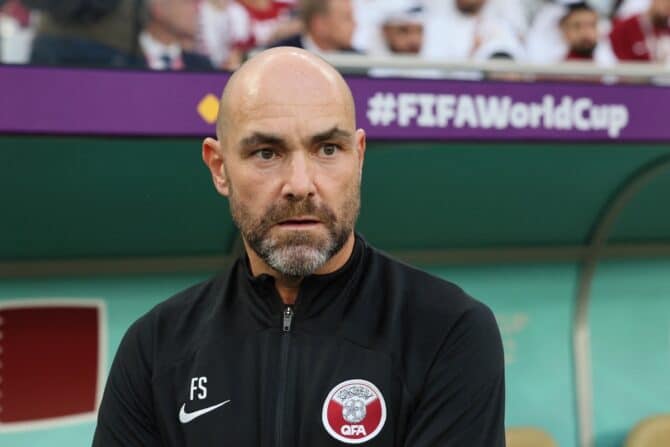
(82, 197)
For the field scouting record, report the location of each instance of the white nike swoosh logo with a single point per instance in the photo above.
(185, 417)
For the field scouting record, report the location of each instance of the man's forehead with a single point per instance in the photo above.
(289, 88)
(268, 107)
(264, 136)
(287, 125)
(283, 82)
(289, 105)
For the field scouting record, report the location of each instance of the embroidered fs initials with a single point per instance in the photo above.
(198, 388)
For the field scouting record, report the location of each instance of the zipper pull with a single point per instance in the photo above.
(288, 318)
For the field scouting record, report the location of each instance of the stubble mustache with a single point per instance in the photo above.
(288, 210)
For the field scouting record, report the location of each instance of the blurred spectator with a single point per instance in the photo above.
(565, 29)
(267, 22)
(644, 36)
(579, 29)
(169, 36)
(224, 26)
(106, 36)
(466, 32)
(17, 30)
(328, 27)
(514, 13)
(400, 31)
(369, 15)
(403, 31)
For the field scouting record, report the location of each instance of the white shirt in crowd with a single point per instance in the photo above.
(470, 37)
(160, 56)
(512, 12)
(221, 29)
(631, 7)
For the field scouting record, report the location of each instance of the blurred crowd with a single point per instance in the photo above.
(218, 34)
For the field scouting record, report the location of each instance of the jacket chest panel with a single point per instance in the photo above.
(272, 389)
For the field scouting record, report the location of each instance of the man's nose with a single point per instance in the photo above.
(299, 181)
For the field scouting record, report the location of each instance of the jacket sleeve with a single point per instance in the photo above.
(126, 417)
(462, 402)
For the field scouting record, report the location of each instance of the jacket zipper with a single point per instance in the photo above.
(287, 321)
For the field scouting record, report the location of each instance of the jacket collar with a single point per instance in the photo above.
(316, 294)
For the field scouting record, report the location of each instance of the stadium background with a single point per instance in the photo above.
(129, 220)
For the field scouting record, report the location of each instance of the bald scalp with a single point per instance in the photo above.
(290, 69)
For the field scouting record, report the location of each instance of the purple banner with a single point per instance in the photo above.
(100, 102)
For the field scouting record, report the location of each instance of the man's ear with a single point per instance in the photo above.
(360, 148)
(213, 158)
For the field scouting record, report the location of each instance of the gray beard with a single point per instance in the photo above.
(293, 261)
(297, 253)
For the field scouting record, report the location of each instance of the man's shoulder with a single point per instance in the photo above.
(425, 314)
(423, 286)
(421, 297)
(170, 330)
(181, 314)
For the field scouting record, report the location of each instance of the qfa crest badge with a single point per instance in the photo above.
(354, 411)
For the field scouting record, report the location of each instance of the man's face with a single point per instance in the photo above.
(404, 38)
(339, 23)
(293, 161)
(580, 31)
(469, 6)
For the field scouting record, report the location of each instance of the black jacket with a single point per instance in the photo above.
(376, 352)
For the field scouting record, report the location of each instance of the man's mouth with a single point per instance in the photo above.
(299, 222)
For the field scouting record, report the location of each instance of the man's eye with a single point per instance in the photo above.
(266, 154)
(329, 149)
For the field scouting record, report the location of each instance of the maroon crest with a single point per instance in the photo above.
(354, 411)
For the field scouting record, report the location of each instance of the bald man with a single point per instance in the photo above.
(312, 337)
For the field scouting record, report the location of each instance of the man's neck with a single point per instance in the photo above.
(289, 286)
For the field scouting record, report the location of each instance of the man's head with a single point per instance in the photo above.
(330, 23)
(579, 27)
(403, 30)
(173, 20)
(469, 7)
(289, 159)
(659, 10)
